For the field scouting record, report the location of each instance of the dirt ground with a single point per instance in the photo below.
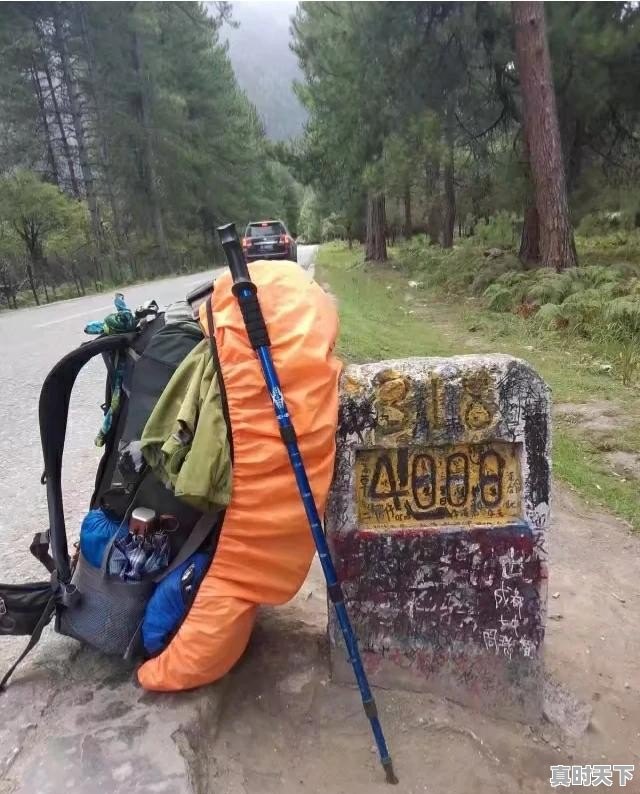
(285, 728)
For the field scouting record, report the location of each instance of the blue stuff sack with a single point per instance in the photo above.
(167, 606)
(95, 534)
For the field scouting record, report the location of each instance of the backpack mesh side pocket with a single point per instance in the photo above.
(109, 611)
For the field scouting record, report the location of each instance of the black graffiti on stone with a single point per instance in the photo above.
(339, 500)
(355, 418)
(519, 395)
(421, 428)
(453, 422)
(410, 590)
(536, 433)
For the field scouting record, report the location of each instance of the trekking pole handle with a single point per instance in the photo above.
(233, 251)
(243, 288)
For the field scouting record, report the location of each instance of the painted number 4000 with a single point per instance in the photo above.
(478, 483)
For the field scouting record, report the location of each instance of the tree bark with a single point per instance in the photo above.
(432, 196)
(407, 231)
(78, 127)
(540, 119)
(449, 220)
(144, 116)
(376, 247)
(529, 253)
(75, 187)
(32, 283)
(51, 157)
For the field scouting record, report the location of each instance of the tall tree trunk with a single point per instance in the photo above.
(78, 126)
(68, 156)
(144, 117)
(32, 282)
(376, 247)
(449, 220)
(407, 231)
(540, 117)
(529, 253)
(432, 196)
(51, 157)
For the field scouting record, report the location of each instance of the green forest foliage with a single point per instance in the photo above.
(124, 130)
(422, 101)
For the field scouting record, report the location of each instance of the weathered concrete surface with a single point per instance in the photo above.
(84, 725)
(437, 521)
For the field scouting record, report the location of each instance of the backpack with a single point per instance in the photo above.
(100, 610)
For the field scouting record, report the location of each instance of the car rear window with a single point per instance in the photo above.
(264, 229)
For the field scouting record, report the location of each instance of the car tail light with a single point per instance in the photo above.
(284, 240)
(246, 242)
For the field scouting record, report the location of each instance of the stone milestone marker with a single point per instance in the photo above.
(437, 523)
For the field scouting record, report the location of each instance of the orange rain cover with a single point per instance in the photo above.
(265, 545)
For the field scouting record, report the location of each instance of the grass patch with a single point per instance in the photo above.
(383, 317)
(374, 319)
(580, 465)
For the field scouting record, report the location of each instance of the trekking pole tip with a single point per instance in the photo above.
(390, 774)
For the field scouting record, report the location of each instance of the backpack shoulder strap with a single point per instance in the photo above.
(53, 412)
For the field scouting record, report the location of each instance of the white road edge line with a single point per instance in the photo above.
(75, 316)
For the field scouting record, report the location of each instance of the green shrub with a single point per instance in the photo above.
(584, 311)
(626, 360)
(626, 270)
(492, 270)
(596, 275)
(549, 317)
(499, 298)
(605, 223)
(624, 314)
(550, 287)
(498, 232)
(620, 250)
(452, 268)
(516, 284)
(333, 228)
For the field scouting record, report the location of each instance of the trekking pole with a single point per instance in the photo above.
(246, 293)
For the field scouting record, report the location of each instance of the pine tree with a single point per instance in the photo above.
(542, 132)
